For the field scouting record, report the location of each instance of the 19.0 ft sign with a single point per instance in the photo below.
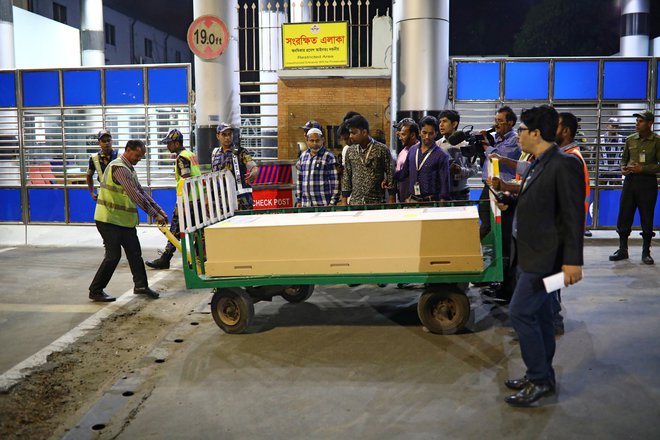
(208, 37)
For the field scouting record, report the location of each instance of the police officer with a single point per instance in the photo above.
(639, 164)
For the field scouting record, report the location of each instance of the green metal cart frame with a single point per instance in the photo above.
(443, 307)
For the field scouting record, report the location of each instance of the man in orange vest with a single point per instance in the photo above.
(568, 125)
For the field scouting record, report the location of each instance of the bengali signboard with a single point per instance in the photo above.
(315, 44)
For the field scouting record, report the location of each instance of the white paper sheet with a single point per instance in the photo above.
(554, 282)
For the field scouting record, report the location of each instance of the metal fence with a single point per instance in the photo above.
(49, 126)
(260, 48)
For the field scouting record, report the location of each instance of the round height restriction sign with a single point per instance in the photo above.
(208, 37)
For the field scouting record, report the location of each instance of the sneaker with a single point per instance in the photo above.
(588, 233)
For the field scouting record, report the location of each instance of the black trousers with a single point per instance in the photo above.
(530, 311)
(114, 238)
(174, 229)
(640, 192)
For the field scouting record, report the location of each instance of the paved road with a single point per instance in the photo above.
(356, 363)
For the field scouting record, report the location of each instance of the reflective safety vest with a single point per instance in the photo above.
(194, 171)
(575, 151)
(97, 163)
(113, 204)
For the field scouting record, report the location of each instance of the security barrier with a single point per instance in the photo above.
(603, 92)
(48, 125)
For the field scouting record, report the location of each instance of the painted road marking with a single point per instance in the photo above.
(7, 249)
(51, 308)
(15, 374)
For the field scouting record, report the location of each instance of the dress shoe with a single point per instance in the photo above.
(620, 254)
(516, 384)
(588, 233)
(101, 297)
(494, 296)
(530, 394)
(647, 259)
(146, 291)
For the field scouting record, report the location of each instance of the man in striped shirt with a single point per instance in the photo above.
(318, 181)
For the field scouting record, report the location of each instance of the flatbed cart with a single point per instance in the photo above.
(443, 307)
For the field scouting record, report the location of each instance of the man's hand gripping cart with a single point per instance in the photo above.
(253, 256)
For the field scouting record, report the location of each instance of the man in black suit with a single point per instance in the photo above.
(548, 236)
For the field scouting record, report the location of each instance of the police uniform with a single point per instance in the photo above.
(640, 190)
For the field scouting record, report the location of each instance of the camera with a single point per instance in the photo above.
(474, 148)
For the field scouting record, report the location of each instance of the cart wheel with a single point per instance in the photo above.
(443, 311)
(297, 294)
(232, 309)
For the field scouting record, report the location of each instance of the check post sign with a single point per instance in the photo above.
(315, 44)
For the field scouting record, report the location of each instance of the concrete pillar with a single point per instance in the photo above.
(635, 26)
(7, 59)
(421, 55)
(216, 81)
(92, 42)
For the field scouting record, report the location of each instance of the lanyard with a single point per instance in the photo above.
(428, 154)
(366, 158)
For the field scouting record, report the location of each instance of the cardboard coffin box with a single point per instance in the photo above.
(444, 239)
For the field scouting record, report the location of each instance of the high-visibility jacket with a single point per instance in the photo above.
(194, 170)
(575, 151)
(113, 204)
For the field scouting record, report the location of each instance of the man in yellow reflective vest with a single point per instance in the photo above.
(186, 165)
(116, 217)
(99, 161)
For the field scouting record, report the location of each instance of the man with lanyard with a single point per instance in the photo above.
(506, 144)
(318, 183)
(185, 165)
(427, 165)
(116, 217)
(368, 168)
(408, 134)
(99, 161)
(238, 161)
(640, 164)
(460, 168)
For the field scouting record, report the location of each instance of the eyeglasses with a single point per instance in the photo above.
(521, 129)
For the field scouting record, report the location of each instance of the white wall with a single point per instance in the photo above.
(54, 45)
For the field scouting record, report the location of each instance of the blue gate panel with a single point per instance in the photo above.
(46, 205)
(657, 86)
(590, 212)
(608, 209)
(81, 206)
(625, 79)
(526, 80)
(41, 89)
(124, 86)
(7, 89)
(10, 208)
(477, 81)
(82, 87)
(166, 198)
(576, 80)
(168, 86)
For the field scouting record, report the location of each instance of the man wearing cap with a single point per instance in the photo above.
(186, 165)
(99, 161)
(610, 147)
(640, 164)
(237, 160)
(318, 182)
(116, 217)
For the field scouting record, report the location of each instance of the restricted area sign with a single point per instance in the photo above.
(208, 37)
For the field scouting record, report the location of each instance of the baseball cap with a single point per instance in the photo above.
(311, 124)
(646, 115)
(223, 126)
(613, 120)
(173, 136)
(103, 133)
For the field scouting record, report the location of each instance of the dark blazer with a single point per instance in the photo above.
(549, 215)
